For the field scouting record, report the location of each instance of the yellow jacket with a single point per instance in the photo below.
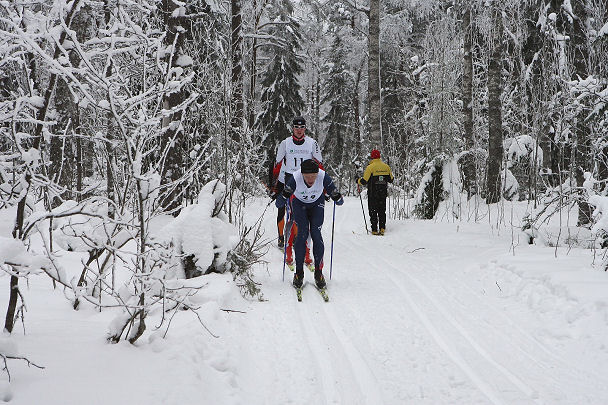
(376, 176)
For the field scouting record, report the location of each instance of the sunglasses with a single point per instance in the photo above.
(299, 126)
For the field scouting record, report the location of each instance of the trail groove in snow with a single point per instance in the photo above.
(411, 325)
(528, 391)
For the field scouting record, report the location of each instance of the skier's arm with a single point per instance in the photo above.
(366, 175)
(331, 189)
(280, 153)
(288, 190)
(276, 187)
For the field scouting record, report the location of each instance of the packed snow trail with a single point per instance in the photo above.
(411, 319)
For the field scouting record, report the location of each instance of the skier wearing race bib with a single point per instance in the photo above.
(377, 175)
(291, 153)
(308, 205)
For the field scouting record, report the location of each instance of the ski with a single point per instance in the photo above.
(299, 293)
(323, 292)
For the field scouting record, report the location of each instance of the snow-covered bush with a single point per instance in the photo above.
(200, 238)
(510, 185)
(524, 163)
(430, 191)
(600, 227)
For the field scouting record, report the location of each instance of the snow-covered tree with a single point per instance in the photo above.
(337, 94)
(281, 97)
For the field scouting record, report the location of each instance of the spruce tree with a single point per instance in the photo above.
(338, 89)
(281, 99)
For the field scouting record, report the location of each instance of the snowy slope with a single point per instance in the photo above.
(431, 313)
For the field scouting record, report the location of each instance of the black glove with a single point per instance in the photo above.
(287, 192)
(336, 196)
(273, 196)
(326, 196)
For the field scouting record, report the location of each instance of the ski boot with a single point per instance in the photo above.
(298, 279)
(281, 241)
(381, 231)
(320, 280)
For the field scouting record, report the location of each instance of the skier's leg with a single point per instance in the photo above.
(290, 230)
(373, 212)
(316, 216)
(307, 259)
(281, 225)
(301, 219)
(382, 212)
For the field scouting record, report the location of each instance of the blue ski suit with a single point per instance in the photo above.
(308, 204)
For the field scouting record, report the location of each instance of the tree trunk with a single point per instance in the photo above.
(582, 156)
(373, 82)
(495, 148)
(41, 116)
(172, 135)
(109, 127)
(469, 172)
(9, 321)
(237, 69)
(357, 118)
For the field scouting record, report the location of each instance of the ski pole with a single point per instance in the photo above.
(362, 210)
(331, 257)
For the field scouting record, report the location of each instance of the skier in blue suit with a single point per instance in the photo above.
(305, 189)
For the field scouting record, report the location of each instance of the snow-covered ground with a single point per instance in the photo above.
(432, 313)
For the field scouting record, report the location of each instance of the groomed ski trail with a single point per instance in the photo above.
(404, 325)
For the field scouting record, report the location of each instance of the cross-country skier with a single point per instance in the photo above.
(377, 175)
(308, 206)
(292, 151)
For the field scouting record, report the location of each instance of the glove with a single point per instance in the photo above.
(337, 197)
(287, 192)
(326, 196)
(273, 196)
(358, 188)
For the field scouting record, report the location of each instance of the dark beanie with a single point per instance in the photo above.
(309, 166)
(299, 121)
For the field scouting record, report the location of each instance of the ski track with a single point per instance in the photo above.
(325, 374)
(459, 344)
(546, 364)
(538, 371)
(366, 381)
(465, 365)
(440, 341)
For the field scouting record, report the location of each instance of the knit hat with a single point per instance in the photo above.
(309, 166)
(375, 154)
(299, 121)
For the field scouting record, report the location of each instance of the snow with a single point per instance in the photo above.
(434, 312)
(523, 146)
(603, 31)
(184, 60)
(600, 213)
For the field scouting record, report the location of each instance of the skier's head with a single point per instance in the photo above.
(375, 154)
(299, 128)
(310, 170)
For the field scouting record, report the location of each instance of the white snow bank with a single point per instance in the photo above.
(201, 230)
